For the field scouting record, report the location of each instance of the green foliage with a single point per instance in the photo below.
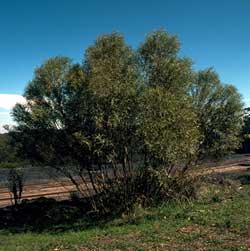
(168, 127)
(167, 121)
(48, 122)
(219, 111)
(113, 80)
(8, 154)
(161, 65)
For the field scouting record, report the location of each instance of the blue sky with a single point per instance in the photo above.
(212, 32)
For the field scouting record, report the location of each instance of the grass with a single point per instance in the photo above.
(218, 220)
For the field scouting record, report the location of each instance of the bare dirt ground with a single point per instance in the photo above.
(240, 164)
(62, 189)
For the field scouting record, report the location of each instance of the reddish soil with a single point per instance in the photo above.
(61, 190)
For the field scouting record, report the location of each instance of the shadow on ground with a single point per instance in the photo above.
(49, 215)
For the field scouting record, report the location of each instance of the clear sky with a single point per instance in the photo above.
(212, 32)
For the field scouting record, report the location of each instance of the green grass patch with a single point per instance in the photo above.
(218, 220)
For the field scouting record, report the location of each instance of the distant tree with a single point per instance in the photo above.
(246, 122)
(219, 110)
(8, 153)
(245, 132)
(3, 153)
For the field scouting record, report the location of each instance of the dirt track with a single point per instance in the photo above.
(57, 190)
(62, 190)
(230, 166)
